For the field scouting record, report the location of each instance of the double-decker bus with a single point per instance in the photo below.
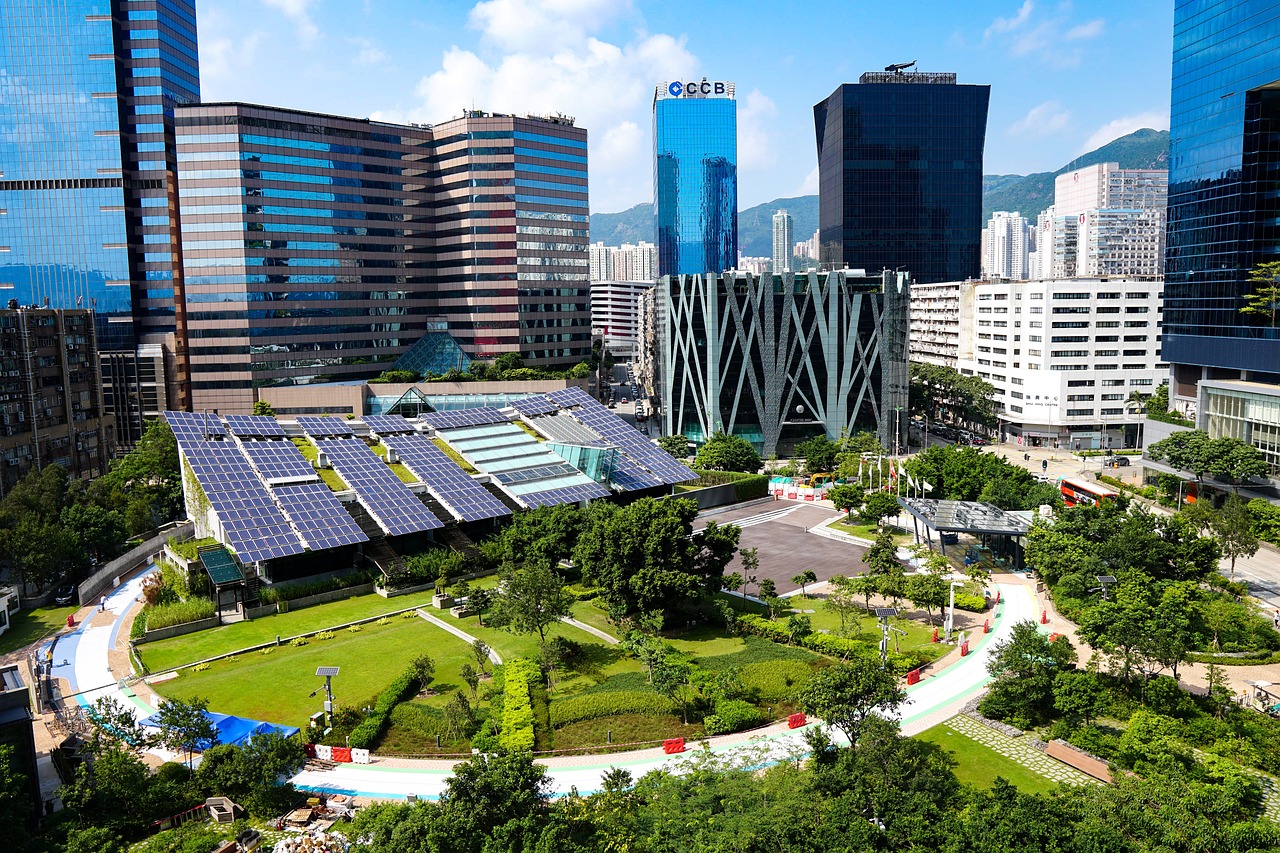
(1076, 492)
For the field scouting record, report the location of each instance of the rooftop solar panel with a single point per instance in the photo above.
(574, 396)
(254, 426)
(279, 461)
(319, 516)
(614, 429)
(539, 404)
(388, 424)
(449, 484)
(465, 417)
(564, 495)
(319, 426)
(191, 426)
(396, 509)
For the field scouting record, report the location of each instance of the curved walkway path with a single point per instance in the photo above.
(84, 658)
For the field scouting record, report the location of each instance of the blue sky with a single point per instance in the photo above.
(1065, 77)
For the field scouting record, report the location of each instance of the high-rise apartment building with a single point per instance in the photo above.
(511, 265)
(900, 175)
(628, 262)
(1104, 186)
(87, 175)
(1007, 242)
(695, 177)
(935, 322)
(600, 261)
(1223, 217)
(782, 257)
(1105, 221)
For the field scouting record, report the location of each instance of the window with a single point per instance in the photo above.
(1017, 395)
(1136, 309)
(1111, 383)
(1114, 309)
(1135, 353)
(1069, 324)
(1135, 324)
(1070, 296)
(1069, 339)
(1037, 296)
(1070, 353)
(1107, 353)
(1136, 295)
(1079, 413)
(1112, 396)
(1106, 367)
(1015, 381)
(1113, 411)
(1079, 398)
(984, 297)
(1036, 309)
(1035, 338)
(1132, 367)
(1061, 310)
(1107, 324)
(1069, 367)
(1033, 353)
(1109, 295)
(986, 310)
(1080, 383)
(1015, 409)
(1036, 324)
(1106, 339)
(1135, 338)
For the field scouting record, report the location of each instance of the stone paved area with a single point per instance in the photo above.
(1023, 753)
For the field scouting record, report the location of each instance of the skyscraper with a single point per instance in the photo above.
(89, 177)
(1223, 213)
(695, 177)
(1008, 246)
(900, 175)
(782, 242)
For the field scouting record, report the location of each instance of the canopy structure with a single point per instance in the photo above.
(236, 731)
(989, 524)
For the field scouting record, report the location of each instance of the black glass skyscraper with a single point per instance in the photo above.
(900, 175)
(1224, 208)
(695, 177)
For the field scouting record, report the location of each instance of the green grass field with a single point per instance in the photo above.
(27, 626)
(979, 765)
(901, 536)
(275, 686)
(918, 638)
(168, 654)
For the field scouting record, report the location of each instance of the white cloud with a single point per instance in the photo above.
(1008, 25)
(223, 57)
(756, 118)
(541, 25)
(1123, 126)
(299, 12)
(1042, 120)
(810, 185)
(1093, 29)
(369, 53)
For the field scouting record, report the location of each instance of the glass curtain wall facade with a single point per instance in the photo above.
(511, 267)
(1224, 211)
(301, 238)
(87, 176)
(900, 175)
(695, 178)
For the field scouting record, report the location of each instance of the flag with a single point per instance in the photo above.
(911, 481)
(893, 472)
(928, 487)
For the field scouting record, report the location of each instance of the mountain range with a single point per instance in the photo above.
(1026, 194)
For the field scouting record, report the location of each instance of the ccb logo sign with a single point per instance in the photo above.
(692, 88)
(675, 89)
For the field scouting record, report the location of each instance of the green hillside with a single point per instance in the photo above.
(1027, 194)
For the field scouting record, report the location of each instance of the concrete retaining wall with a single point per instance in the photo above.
(177, 630)
(109, 575)
(712, 496)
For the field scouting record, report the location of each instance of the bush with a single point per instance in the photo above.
(971, 601)
(591, 706)
(291, 592)
(746, 487)
(732, 715)
(421, 720)
(365, 735)
(178, 613)
(517, 704)
(581, 593)
(827, 644)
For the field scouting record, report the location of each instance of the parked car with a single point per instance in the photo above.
(65, 593)
(1119, 461)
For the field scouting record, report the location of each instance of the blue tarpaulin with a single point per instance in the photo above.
(236, 731)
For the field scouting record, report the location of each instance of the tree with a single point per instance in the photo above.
(397, 377)
(101, 532)
(1024, 667)
(803, 579)
(262, 407)
(840, 600)
(1264, 301)
(186, 725)
(927, 590)
(480, 600)
(424, 669)
(865, 586)
(16, 812)
(471, 678)
(818, 453)
(799, 626)
(845, 694)
(1188, 451)
(1079, 694)
(750, 566)
(847, 497)
(937, 391)
(670, 675)
(532, 599)
(676, 445)
(646, 556)
(724, 452)
(94, 839)
(494, 795)
(1235, 459)
(508, 361)
(732, 582)
(481, 653)
(769, 595)
(879, 506)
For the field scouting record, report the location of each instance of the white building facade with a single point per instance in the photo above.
(935, 322)
(1105, 221)
(615, 314)
(628, 262)
(782, 242)
(1065, 355)
(1007, 242)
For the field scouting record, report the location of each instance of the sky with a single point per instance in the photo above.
(1065, 77)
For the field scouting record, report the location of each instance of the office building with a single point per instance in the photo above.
(1223, 215)
(615, 314)
(87, 188)
(900, 175)
(755, 266)
(778, 358)
(500, 175)
(782, 251)
(1064, 355)
(1006, 246)
(52, 410)
(935, 322)
(695, 177)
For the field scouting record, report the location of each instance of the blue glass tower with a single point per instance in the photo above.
(1224, 209)
(695, 177)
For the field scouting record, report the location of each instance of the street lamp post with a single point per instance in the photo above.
(951, 611)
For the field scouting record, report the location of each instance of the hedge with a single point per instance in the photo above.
(827, 644)
(591, 706)
(745, 486)
(581, 593)
(971, 601)
(732, 715)
(517, 705)
(177, 613)
(371, 728)
(273, 595)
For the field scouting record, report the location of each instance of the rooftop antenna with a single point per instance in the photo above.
(899, 67)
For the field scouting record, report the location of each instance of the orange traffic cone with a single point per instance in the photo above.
(1044, 617)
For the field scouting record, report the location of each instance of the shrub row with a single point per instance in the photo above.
(517, 704)
(427, 566)
(177, 613)
(371, 728)
(971, 601)
(591, 706)
(302, 590)
(732, 715)
(1150, 492)
(746, 487)
(581, 593)
(827, 644)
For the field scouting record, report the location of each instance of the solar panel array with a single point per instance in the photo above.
(254, 526)
(465, 418)
(396, 509)
(254, 426)
(567, 494)
(278, 461)
(539, 404)
(387, 424)
(449, 484)
(609, 426)
(189, 426)
(320, 426)
(319, 516)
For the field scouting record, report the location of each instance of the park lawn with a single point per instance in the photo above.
(168, 654)
(870, 531)
(589, 613)
(979, 765)
(27, 626)
(275, 686)
(626, 730)
(328, 475)
(919, 636)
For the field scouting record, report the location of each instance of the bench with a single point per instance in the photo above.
(1082, 761)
